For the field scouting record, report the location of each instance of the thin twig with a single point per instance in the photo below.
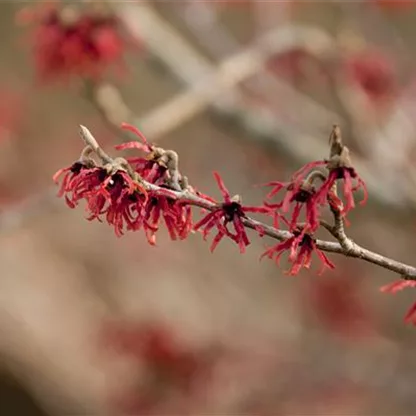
(353, 250)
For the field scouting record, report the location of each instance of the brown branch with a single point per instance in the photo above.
(345, 246)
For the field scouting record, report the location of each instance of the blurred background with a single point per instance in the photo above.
(95, 324)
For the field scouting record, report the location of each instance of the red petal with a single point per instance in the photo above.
(397, 285)
(135, 130)
(57, 174)
(221, 185)
(216, 241)
(132, 145)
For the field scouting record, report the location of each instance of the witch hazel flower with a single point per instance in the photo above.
(117, 193)
(301, 245)
(121, 199)
(177, 217)
(302, 191)
(159, 166)
(79, 179)
(229, 211)
(298, 194)
(74, 40)
(108, 190)
(340, 168)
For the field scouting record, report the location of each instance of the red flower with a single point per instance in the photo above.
(67, 43)
(300, 246)
(347, 174)
(300, 194)
(177, 217)
(121, 199)
(153, 168)
(230, 211)
(340, 168)
(114, 195)
(79, 179)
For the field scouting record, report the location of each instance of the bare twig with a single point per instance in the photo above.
(337, 151)
(350, 250)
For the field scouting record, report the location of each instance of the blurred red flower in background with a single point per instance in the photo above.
(169, 365)
(395, 4)
(69, 41)
(11, 112)
(297, 65)
(337, 301)
(374, 73)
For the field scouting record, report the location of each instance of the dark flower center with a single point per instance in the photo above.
(307, 240)
(232, 209)
(116, 185)
(133, 197)
(77, 167)
(102, 175)
(303, 195)
(340, 172)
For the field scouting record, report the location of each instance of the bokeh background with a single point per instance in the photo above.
(250, 89)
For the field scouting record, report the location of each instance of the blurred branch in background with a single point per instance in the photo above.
(190, 66)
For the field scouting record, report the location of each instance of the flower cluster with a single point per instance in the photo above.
(115, 191)
(302, 192)
(136, 193)
(68, 41)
